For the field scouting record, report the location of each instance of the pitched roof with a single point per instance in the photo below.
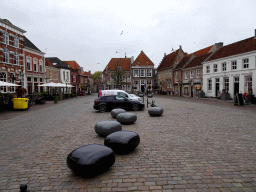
(183, 61)
(168, 60)
(56, 62)
(74, 65)
(142, 59)
(88, 74)
(239, 47)
(29, 44)
(197, 60)
(7, 22)
(124, 62)
(203, 51)
(48, 63)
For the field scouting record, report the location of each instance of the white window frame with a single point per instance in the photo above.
(6, 55)
(135, 72)
(142, 72)
(123, 78)
(128, 78)
(215, 68)
(166, 74)
(246, 63)
(208, 70)
(209, 84)
(248, 84)
(198, 73)
(16, 41)
(85, 80)
(149, 72)
(74, 78)
(29, 63)
(234, 65)
(149, 84)
(124, 87)
(128, 87)
(6, 38)
(67, 76)
(226, 83)
(35, 65)
(185, 92)
(224, 66)
(191, 74)
(16, 58)
(12, 88)
(186, 75)
(170, 80)
(3, 77)
(41, 65)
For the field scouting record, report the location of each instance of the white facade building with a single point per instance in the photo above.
(232, 68)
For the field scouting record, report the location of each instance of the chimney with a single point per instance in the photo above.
(164, 54)
(81, 69)
(255, 34)
(180, 46)
(125, 54)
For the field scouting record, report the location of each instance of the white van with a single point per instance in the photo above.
(118, 92)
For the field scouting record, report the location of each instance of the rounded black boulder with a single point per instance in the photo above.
(91, 160)
(104, 128)
(122, 142)
(115, 112)
(155, 111)
(126, 118)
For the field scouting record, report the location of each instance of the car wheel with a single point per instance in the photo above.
(103, 108)
(135, 107)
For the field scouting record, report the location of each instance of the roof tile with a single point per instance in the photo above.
(168, 60)
(142, 59)
(197, 61)
(124, 62)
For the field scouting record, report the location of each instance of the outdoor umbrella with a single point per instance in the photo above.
(2, 83)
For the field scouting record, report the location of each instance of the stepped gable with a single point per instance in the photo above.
(239, 47)
(124, 62)
(183, 61)
(197, 60)
(142, 59)
(30, 45)
(168, 60)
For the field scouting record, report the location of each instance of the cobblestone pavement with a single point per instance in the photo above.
(198, 145)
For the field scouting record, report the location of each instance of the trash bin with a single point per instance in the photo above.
(20, 103)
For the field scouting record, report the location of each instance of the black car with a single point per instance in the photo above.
(109, 102)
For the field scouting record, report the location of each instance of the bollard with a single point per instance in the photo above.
(23, 188)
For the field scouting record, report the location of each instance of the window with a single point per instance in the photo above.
(166, 74)
(67, 76)
(128, 87)
(186, 75)
(119, 68)
(176, 79)
(142, 72)
(209, 84)
(35, 79)
(50, 75)
(119, 97)
(170, 73)
(149, 72)
(41, 65)
(246, 63)
(41, 80)
(248, 84)
(224, 66)
(29, 79)
(198, 73)
(177, 90)
(6, 55)
(74, 78)
(167, 82)
(136, 73)
(29, 64)
(191, 74)
(16, 42)
(3, 78)
(208, 69)
(234, 65)
(124, 87)
(85, 80)
(136, 84)
(215, 68)
(186, 91)
(111, 78)
(35, 64)
(124, 78)
(12, 80)
(81, 79)
(64, 75)
(226, 84)
(6, 38)
(115, 86)
(16, 58)
(149, 84)
(129, 78)
(170, 81)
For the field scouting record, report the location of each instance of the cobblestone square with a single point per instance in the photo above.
(197, 145)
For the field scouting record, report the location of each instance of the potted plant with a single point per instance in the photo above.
(225, 95)
(201, 94)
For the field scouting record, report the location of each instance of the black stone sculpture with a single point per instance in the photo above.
(104, 128)
(155, 111)
(115, 112)
(91, 160)
(122, 142)
(126, 118)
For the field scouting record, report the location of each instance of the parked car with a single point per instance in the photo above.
(118, 92)
(106, 103)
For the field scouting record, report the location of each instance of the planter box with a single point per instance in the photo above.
(201, 95)
(225, 96)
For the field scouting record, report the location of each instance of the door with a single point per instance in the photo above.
(236, 85)
(217, 87)
(180, 91)
(192, 91)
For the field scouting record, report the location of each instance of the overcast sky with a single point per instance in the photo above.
(89, 32)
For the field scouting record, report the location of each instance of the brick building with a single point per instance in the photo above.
(11, 55)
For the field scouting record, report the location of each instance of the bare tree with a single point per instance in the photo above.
(117, 74)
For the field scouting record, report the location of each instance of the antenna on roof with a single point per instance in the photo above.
(125, 54)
